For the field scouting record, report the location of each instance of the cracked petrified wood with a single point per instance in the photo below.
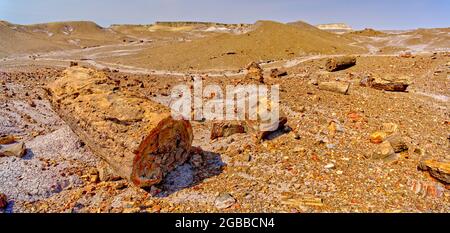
(138, 138)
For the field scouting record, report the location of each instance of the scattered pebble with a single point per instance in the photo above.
(224, 201)
(16, 150)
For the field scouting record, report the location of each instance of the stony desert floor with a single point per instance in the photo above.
(321, 161)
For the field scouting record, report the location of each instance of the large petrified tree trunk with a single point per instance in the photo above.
(138, 138)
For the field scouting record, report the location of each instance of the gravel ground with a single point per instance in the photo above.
(325, 169)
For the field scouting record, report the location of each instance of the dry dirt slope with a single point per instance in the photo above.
(268, 41)
(16, 39)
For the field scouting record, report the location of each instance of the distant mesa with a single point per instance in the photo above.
(335, 27)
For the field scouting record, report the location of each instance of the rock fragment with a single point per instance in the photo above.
(106, 173)
(277, 73)
(226, 129)
(383, 151)
(389, 128)
(427, 189)
(16, 150)
(378, 137)
(438, 170)
(338, 87)
(7, 139)
(224, 201)
(398, 143)
(387, 83)
(261, 134)
(267, 119)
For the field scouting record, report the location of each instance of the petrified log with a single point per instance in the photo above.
(390, 83)
(340, 63)
(338, 87)
(138, 138)
(387, 83)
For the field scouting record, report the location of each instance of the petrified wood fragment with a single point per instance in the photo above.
(226, 129)
(269, 119)
(387, 83)
(338, 87)
(340, 63)
(138, 138)
(437, 169)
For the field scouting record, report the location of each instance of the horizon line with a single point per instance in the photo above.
(216, 22)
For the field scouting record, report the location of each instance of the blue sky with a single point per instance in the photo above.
(381, 14)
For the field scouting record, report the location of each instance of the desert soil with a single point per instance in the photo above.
(320, 162)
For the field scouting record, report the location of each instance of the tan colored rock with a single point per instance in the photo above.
(224, 201)
(254, 127)
(264, 123)
(137, 137)
(105, 173)
(383, 151)
(387, 83)
(438, 170)
(340, 63)
(338, 87)
(226, 129)
(398, 143)
(389, 128)
(16, 149)
(378, 137)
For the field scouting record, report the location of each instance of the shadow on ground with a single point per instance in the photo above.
(187, 175)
